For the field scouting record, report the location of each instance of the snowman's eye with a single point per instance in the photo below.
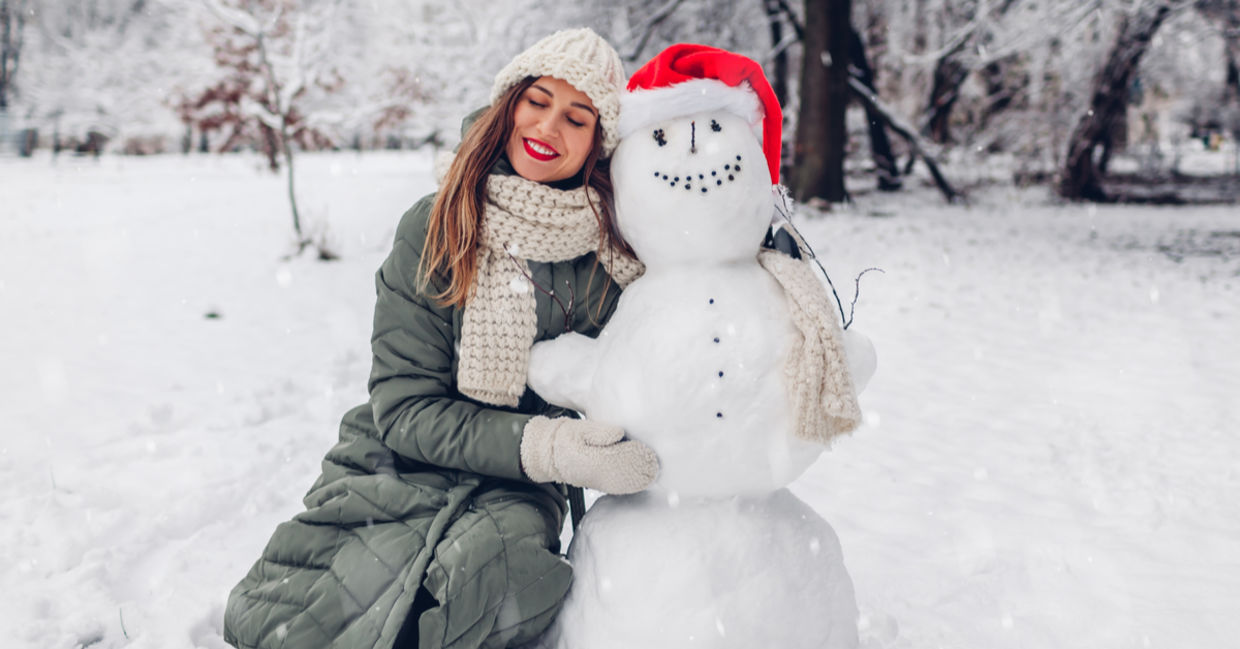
(658, 137)
(714, 126)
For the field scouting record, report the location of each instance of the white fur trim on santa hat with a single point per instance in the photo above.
(642, 107)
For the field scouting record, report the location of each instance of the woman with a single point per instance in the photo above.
(436, 519)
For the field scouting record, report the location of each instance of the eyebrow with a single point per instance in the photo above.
(575, 103)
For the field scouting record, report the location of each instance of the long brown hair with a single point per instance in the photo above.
(455, 227)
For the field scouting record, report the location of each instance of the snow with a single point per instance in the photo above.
(1048, 451)
(1046, 458)
(149, 450)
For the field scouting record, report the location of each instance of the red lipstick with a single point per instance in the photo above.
(541, 157)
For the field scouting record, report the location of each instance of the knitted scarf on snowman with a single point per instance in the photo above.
(824, 401)
(523, 221)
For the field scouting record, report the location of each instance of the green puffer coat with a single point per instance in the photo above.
(424, 488)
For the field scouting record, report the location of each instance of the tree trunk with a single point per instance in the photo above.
(880, 145)
(1232, 91)
(6, 32)
(1001, 91)
(270, 141)
(949, 75)
(821, 135)
(286, 148)
(12, 22)
(286, 145)
(774, 15)
(1081, 177)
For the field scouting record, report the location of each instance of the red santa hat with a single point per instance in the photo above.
(688, 78)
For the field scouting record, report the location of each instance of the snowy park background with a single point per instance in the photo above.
(1049, 453)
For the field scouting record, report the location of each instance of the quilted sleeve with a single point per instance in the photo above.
(416, 407)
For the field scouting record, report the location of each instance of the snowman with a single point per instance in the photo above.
(727, 361)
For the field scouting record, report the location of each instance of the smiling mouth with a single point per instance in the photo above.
(705, 181)
(539, 151)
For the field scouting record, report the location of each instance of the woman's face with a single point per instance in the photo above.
(552, 131)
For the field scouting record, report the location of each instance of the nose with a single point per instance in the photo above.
(546, 124)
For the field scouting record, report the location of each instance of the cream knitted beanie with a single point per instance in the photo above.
(583, 59)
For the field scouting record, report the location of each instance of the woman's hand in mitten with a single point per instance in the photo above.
(586, 454)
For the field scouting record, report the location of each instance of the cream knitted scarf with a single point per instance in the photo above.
(522, 221)
(824, 401)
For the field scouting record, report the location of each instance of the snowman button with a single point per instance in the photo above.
(716, 339)
(718, 415)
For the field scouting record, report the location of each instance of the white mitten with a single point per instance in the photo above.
(862, 359)
(586, 454)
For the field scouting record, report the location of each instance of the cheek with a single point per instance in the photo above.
(513, 146)
(583, 141)
(520, 115)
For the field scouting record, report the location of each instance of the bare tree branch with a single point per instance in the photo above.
(792, 19)
(239, 20)
(845, 320)
(852, 307)
(864, 95)
(649, 25)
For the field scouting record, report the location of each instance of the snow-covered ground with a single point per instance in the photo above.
(1049, 450)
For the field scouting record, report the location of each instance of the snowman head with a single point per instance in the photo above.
(698, 156)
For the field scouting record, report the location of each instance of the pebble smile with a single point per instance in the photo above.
(704, 181)
(538, 150)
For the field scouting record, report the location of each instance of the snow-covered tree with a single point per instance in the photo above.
(1092, 138)
(103, 67)
(12, 26)
(981, 75)
(274, 69)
